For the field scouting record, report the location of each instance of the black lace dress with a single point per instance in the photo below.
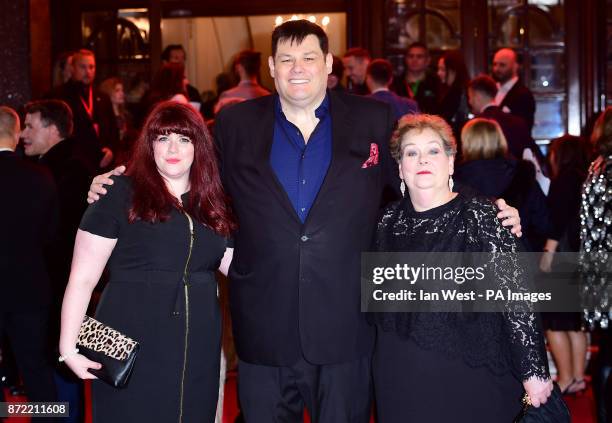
(452, 367)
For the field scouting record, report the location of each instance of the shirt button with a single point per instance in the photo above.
(303, 181)
(303, 209)
(304, 238)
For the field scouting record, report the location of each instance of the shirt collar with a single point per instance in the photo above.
(507, 86)
(7, 149)
(376, 90)
(486, 106)
(320, 112)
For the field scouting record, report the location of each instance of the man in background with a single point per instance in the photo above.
(356, 61)
(47, 137)
(417, 82)
(378, 79)
(246, 66)
(512, 95)
(482, 91)
(29, 215)
(175, 53)
(95, 127)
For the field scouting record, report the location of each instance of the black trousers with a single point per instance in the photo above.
(332, 393)
(27, 333)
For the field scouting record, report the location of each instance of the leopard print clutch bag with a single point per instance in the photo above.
(109, 347)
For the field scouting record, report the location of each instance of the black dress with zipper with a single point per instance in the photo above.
(162, 292)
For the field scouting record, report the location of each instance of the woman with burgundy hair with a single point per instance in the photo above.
(163, 230)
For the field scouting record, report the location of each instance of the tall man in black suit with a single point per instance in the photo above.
(29, 218)
(95, 127)
(307, 170)
(512, 95)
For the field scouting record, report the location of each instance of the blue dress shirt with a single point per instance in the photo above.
(299, 166)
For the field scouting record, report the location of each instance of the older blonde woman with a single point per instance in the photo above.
(443, 367)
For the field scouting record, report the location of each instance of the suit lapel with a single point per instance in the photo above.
(261, 153)
(341, 128)
(510, 94)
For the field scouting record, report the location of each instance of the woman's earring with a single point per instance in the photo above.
(403, 188)
(451, 184)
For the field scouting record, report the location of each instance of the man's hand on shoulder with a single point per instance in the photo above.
(509, 217)
(96, 189)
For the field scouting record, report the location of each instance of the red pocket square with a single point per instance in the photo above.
(373, 159)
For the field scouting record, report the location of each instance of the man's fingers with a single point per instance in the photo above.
(501, 204)
(506, 213)
(99, 189)
(92, 197)
(119, 170)
(102, 180)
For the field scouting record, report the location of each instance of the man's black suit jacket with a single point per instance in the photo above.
(516, 132)
(295, 288)
(519, 100)
(29, 215)
(71, 178)
(88, 142)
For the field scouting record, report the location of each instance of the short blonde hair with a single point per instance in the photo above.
(419, 123)
(483, 139)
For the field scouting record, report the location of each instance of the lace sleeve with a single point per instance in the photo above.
(522, 328)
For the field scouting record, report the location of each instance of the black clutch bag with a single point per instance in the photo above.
(109, 347)
(553, 411)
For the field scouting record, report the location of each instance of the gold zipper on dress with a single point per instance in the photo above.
(186, 287)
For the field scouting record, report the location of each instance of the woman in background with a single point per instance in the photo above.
(113, 87)
(568, 343)
(452, 97)
(62, 69)
(596, 252)
(487, 167)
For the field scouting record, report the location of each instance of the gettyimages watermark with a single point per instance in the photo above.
(484, 282)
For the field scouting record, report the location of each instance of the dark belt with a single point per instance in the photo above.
(163, 277)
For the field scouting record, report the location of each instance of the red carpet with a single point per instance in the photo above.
(582, 407)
